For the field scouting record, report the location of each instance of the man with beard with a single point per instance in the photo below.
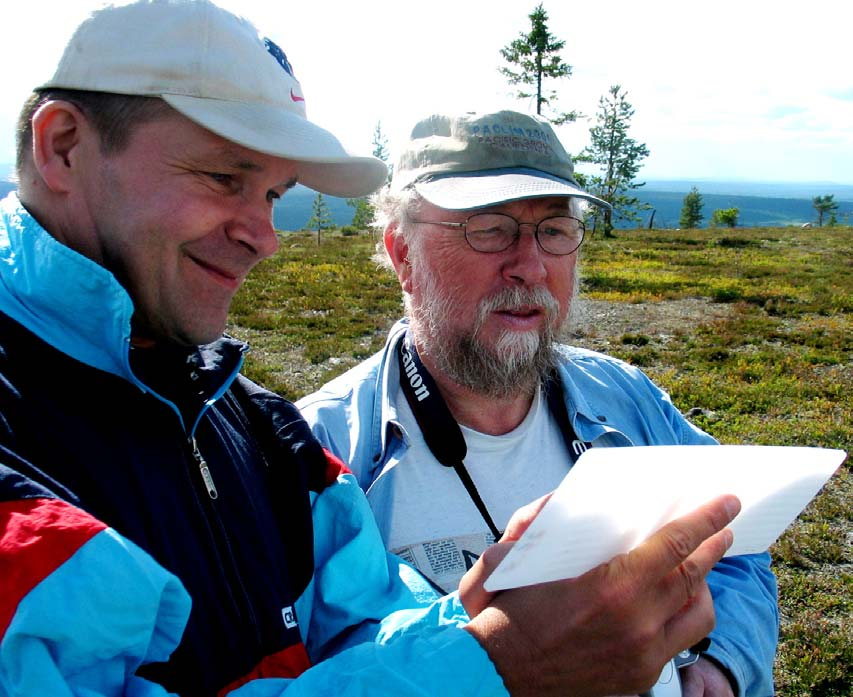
(472, 408)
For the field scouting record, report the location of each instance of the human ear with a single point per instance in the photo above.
(398, 251)
(58, 127)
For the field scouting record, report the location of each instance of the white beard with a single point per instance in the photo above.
(512, 365)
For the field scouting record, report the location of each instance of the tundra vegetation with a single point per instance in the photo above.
(748, 329)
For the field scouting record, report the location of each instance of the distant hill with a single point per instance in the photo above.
(807, 190)
(665, 198)
(6, 187)
(755, 211)
(294, 210)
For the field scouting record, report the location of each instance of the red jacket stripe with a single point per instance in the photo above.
(288, 663)
(36, 537)
(334, 467)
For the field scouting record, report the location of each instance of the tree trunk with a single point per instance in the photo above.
(608, 224)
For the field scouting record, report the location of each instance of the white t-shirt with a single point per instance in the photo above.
(425, 513)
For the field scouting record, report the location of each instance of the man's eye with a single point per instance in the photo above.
(494, 229)
(221, 178)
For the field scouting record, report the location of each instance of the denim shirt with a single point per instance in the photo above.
(610, 404)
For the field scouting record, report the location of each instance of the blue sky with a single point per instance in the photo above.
(744, 90)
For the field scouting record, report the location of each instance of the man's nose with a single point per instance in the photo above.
(253, 227)
(526, 264)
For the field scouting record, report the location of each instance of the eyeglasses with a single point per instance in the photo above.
(496, 232)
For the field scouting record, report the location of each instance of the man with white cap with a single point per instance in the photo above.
(473, 408)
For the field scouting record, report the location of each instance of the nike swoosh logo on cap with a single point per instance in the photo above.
(296, 97)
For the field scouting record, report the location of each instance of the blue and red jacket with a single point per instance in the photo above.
(167, 526)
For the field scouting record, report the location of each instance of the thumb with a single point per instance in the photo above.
(475, 598)
(522, 519)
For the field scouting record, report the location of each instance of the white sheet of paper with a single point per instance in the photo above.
(615, 498)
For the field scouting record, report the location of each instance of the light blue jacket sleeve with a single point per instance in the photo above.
(371, 624)
(386, 631)
(86, 627)
(746, 633)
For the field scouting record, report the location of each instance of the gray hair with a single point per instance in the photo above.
(395, 211)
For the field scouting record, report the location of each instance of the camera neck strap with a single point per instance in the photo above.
(441, 431)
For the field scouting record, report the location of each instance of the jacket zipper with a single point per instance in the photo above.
(237, 590)
(206, 476)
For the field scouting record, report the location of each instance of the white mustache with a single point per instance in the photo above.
(512, 299)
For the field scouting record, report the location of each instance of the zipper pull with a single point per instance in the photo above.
(205, 471)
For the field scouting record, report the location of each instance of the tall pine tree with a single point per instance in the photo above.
(363, 215)
(618, 156)
(534, 57)
(321, 216)
(380, 147)
(823, 205)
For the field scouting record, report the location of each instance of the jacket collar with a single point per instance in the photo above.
(66, 299)
(585, 417)
(387, 381)
(77, 306)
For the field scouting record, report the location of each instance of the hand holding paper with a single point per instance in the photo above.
(614, 498)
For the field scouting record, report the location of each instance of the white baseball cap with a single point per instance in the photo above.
(216, 69)
(474, 160)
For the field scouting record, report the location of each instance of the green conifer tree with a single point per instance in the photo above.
(534, 57)
(618, 157)
(363, 215)
(823, 205)
(321, 216)
(691, 210)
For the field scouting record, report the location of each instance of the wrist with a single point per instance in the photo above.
(511, 655)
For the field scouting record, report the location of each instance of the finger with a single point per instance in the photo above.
(697, 566)
(670, 546)
(691, 623)
(473, 595)
(678, 588)
(522, 519)
(678, 592)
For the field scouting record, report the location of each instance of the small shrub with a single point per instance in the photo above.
(726, 295)
(635, 339)
(737, 242)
